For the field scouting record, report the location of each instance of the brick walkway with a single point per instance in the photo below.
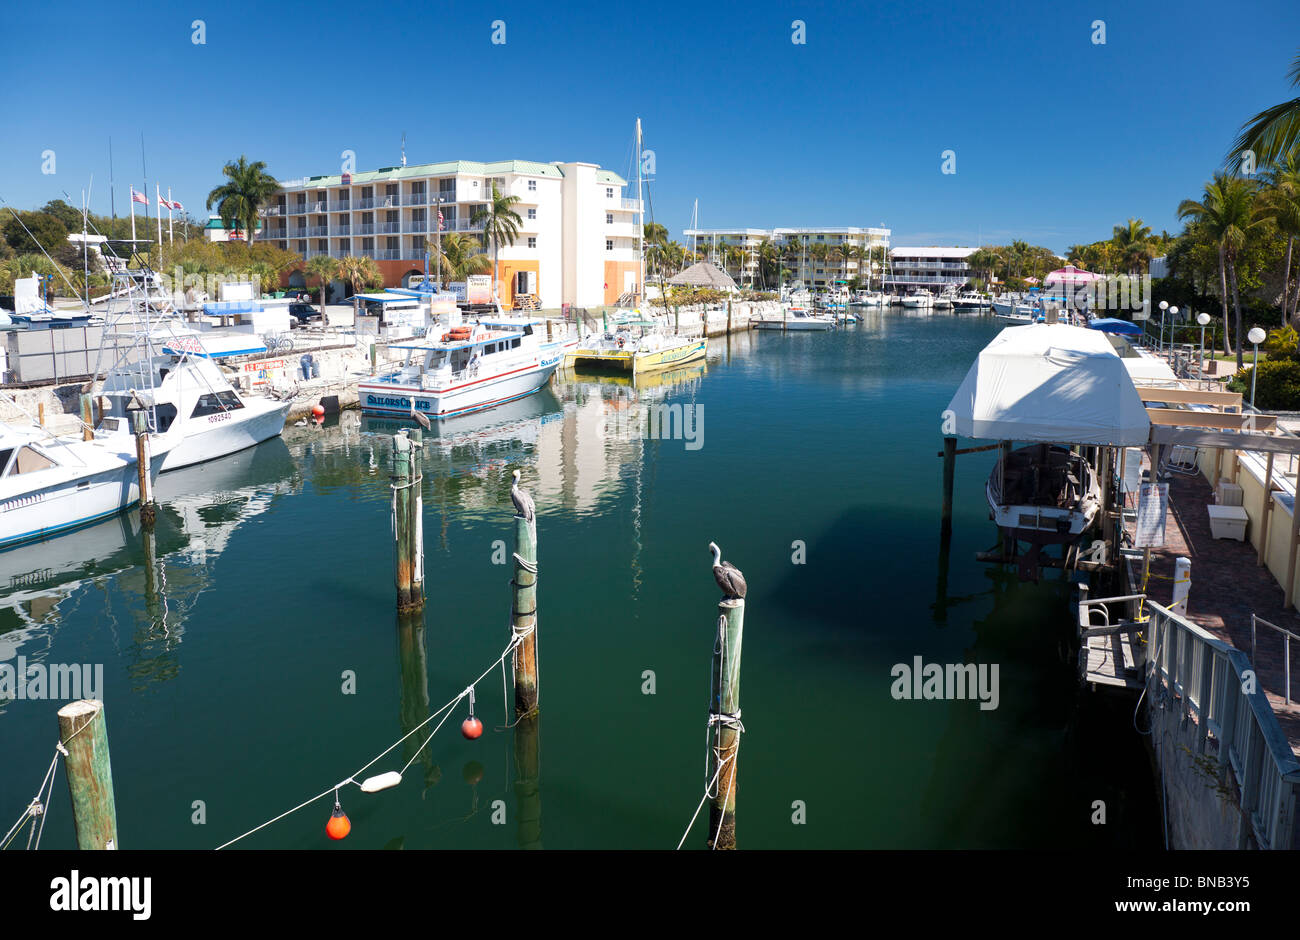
(1227, 586)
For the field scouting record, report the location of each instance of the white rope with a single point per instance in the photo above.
(352, 779)
(38, 804)
(708, 792)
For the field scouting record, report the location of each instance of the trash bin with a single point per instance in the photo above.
(315, 369)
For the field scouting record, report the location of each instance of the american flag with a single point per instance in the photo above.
(139, 197)
(440, 220)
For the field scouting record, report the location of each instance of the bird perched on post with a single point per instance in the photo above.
(523, 502)
(419, 416)
(727, 575)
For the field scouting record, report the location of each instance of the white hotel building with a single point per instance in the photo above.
(814, 273)
(577, 241)
(933, 268)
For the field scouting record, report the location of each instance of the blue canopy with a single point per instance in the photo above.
(1112, 325)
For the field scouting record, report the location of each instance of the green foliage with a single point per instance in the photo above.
(1276, 389)
(1283, 343)
(46, 232)
(29, 264)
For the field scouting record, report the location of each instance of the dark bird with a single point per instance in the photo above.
(523, 502)
(727, 575)
(419, 416)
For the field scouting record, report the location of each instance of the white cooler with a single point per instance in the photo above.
(1228, 522)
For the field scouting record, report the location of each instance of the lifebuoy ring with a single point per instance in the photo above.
(620, 342)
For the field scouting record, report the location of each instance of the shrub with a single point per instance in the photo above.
(1277, 388)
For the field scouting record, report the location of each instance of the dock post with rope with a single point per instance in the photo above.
(87, 419)
(84, 742)
(416, 509)
(523, 616)
(148, 512)
(724, 722)
(405, 485)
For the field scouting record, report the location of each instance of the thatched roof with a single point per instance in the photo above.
(704, 274)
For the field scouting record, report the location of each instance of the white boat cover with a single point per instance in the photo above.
(1050, 383)
(1148, 370)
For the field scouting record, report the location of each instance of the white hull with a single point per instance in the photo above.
(60, 507)
(226, 432)
(391, 398)
(793, 324)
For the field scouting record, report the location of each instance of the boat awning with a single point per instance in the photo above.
(1148, 370)
(1115, 325)
(1050, 383)
(227, 308)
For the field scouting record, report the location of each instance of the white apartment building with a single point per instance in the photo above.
(577, 239)
(799, 262)
(932, 268)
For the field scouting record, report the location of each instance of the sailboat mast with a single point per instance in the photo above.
(640, 228)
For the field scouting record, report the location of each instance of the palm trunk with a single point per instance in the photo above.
(1286, 281)
(1236, 305)
(1223, 293)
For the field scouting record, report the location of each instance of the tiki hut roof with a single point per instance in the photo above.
(704, 274)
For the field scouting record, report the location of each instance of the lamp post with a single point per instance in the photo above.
(1173, 320)
(1203, 319)
(1256, 336)
(1164, 305)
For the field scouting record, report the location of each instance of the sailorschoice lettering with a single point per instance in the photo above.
(104, 893)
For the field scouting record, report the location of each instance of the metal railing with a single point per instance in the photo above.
(415, 199)
(341, 205)
(1287, 637)
(317, 231)
(388, 228)
(1214, 684)
(341, 230)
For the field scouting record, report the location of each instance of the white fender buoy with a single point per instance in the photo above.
(381, 782)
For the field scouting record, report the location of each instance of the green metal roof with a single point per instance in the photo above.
(217, 223)
(609, 176)
(448, 168)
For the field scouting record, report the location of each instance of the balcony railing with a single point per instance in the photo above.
(366, 203)
(298, 208)
(365, 228)
(388, 254)
(388, 228)
(387, 202)
(343, 205)
(633, 204)
(276, 210)
(341, 230)
(317, 231)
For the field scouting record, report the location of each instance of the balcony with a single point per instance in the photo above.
(415, 199)
(388, 254)
(317, 205)
(317, 231)
(633, 205)
(447, 196)
(387, 228)
(418, 226)
(298, 208)
(275, 210)
(342, 205)
(366, 203)
(341, 230)
(365, 228)
(387, 202)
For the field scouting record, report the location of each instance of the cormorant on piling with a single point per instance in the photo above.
(727, 575)
(523, 502)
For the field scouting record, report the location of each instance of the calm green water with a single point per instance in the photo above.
(223, 674)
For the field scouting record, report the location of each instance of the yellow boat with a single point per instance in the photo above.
(636, 346)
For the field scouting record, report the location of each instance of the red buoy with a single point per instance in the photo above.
(339, 825)
(318, 410)
(471, 727)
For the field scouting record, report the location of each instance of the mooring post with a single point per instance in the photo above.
(374, 358)
(40, 413)
(415, 507)
(728, 316)
(949, 471)
(148, 513)
(402, 521)
(523, 616)
(87, 419)
(84, 740)
(724, 719)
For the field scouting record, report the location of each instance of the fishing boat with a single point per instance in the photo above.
(468, 368)
(50, 485)
(1044, 494)
(637, 346)
(922, 298)
(795, 318)
(970, 300)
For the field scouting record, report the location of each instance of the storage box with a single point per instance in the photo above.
(1229, 494)
(1228, 522)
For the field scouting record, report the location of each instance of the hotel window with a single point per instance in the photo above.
(393, 243)
(609, 244)
(532, 186)
(302, 248)
(418, 244)
(532, 213)
(609, 218)
(322, 245)
(345, 245)
(367, 244)
(532, 241)
(609, 192)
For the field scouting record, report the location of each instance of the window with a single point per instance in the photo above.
(532, 213)
(215, 402)
(609, 244)
(609, 192)
(532, 241)
(609, 218)
(532, 186)
(514, 343)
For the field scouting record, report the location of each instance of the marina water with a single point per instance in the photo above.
(816, 472)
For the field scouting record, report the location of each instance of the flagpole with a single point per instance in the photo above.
(171, 239)
(133, 216)
(158, 195)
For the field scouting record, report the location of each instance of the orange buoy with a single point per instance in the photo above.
(471, 727)
(339, 825)
(318, 410)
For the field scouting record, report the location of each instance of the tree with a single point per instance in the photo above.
(1274, 132)
(361, 272)
(500, 223)
(34, 232)
(324, 269)
(459, 256)
(70, 217)
(239, 200)
(1281, 202)
(1228, 212)
(1132, 241)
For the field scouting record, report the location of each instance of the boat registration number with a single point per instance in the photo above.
(219, 416)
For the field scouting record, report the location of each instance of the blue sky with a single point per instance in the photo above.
(1056, 138)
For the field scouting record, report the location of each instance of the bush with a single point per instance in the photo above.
(1282, 343)
(1277, 388)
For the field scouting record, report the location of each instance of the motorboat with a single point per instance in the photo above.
(970, 300)
(637, 346)
(922, 298)
(469, 368)
(795, 318)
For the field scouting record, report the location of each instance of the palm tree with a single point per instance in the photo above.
(459, 256)
(1274, 132)
(360, 271)
(239, 200)
(1133, 242)
(500, 223)
(324, 269)
(1282, 203)
(1228, 212)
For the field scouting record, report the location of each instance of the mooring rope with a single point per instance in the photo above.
(39, 806)
(352, 779)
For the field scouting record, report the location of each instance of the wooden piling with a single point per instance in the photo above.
(143, 460)
(415, 507)
(523, 616)
(403, 540)
(374, 358)
(949, 472)
(528, 798)
(87, 419)
(90, 774)
(40, 413)
(724, 719)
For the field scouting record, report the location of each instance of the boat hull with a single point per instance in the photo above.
(625, 360)
(394, 399)
(69, 505)
(227, 432)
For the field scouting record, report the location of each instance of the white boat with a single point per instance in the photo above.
(193, 404)
(469, 368)
(922, 298)
(51, 485)
(873, 299)
(795, 318)
(970, 300)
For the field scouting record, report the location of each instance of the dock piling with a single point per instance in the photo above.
(404, 523)
(84, 739)
(523, 617)
(949, 471)
(724, 721)
(87, 419)
(143, 460)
